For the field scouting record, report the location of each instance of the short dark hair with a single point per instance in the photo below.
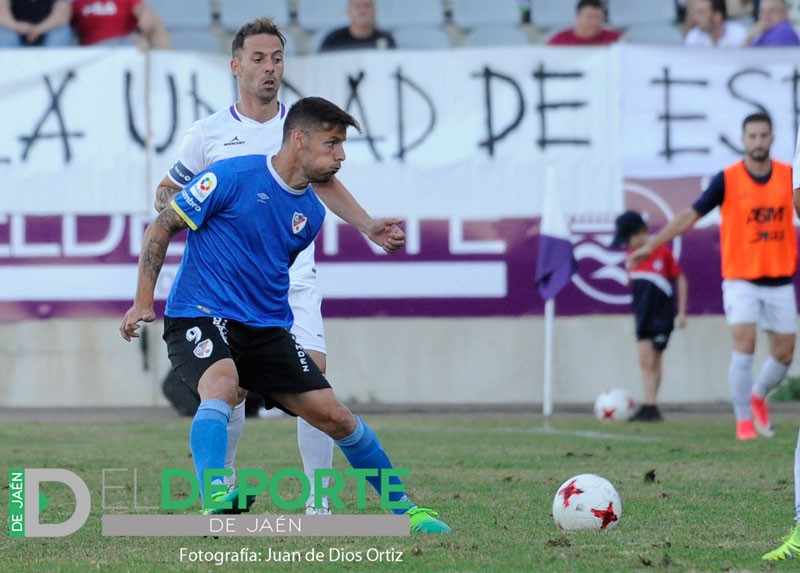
(593, 3)
(757, 118)
(721, 7)
(312, 114)
(264, 25)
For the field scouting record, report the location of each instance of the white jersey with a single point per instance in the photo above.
(227, 134)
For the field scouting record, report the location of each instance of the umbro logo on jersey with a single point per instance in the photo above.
(298, 222)
(234, 141)
(262, 197)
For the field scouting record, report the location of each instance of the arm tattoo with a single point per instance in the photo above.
(167, 224)
(164, 194)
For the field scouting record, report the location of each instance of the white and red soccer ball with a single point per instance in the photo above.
(587, 502)
(614, 405)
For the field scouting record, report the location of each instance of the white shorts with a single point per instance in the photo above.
(306, 302)
(773, 308)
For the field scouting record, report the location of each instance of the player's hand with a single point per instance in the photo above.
(681, 321)
(638, 255)
(387, 234)
(130, 322)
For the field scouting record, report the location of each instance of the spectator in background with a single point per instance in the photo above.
(360, 33)
(773, 27)
(118, 23)
(710, 27)
(35, 23)
(589, 30)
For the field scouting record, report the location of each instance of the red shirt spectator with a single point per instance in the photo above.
(97, 21)
(570, 38)
(589, 30)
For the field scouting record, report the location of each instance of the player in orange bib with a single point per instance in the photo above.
(759, 259)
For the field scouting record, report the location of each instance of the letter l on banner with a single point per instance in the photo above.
(555, 265)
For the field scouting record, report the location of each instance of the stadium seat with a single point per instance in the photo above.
(315, 41)
(190, 14)
(496, 35)
(624, 13)
(393, 14)
(549, 14)
(421, 38)
(234, 13)
(196, 40)
(318, 14)
(470, 13)
(666, 34)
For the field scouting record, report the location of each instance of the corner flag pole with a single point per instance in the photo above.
(549, 322)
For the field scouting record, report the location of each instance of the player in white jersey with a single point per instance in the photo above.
(790, 548)
(254, 125)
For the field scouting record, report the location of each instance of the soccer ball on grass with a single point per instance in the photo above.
(587, 502)
(614, 405)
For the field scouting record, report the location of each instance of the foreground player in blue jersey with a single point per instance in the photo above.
(227, 318)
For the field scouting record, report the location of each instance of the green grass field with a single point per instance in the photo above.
(715, 504)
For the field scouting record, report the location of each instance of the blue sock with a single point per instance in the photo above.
(363, 450)
(208, 437)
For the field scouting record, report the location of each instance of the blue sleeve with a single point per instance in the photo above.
(205, 195)
(712, 196)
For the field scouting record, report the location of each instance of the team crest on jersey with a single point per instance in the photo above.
(204, 348)
(299, 222)
(203, 188)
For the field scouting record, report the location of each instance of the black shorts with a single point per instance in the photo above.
(659, 339)
(268, 360)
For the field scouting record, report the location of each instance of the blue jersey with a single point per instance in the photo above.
(247, 225)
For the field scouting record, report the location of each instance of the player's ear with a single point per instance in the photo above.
(235, 67)
(298, 139)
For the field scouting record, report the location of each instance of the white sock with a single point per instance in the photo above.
(740, 380)
(235, 429)
(771, 375)
(316, 449)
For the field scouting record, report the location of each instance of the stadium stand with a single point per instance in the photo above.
(496, 35)
(421, 38)
(624, 13)
(234, 13)
(467, 14)
(392, 14)
(186, 14)
(313, 15)
(552, 14)
(659, 33)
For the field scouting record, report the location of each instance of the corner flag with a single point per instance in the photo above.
(555, 262)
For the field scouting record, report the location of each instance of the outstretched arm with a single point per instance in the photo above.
(682, 221)
(386, 233)
(154, 250)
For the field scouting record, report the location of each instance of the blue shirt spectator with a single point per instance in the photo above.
(773, 27)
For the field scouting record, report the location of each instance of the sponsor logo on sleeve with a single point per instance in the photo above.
(190, 202)
(204, 186)
(298, 222)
